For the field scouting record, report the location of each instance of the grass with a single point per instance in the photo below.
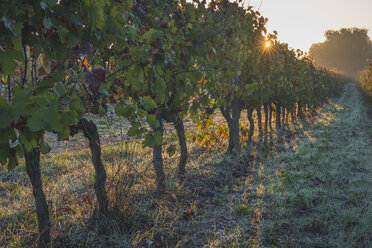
(319, 194)
(305, 186)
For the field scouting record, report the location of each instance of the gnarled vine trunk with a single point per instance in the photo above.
(287, 116)
(300, 114)
(233, 124)
(278, 114)
(158, 158)
(182, 142)
(251, 124)
(259, 120)
(90, 132)
(266, 111)
(270, 115)
(226, 113)
(293, 113)
(33, 171)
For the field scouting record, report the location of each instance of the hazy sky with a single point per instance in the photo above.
(303, 22)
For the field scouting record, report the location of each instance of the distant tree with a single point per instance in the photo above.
(365, 79)
(345, 50)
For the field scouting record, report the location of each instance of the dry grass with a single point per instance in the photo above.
(305, 186)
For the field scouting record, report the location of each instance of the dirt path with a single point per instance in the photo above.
(319, 193)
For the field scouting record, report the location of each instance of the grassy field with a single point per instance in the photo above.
(308, 185)
(318, 193)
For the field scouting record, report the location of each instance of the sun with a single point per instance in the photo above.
(266, 46)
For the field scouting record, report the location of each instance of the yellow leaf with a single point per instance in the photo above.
(4, 78)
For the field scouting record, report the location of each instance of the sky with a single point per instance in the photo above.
(301, 23)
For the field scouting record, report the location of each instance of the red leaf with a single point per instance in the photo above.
(99, 75)
(95, 79)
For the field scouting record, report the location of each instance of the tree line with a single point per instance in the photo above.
(155, 61)
(346, 50)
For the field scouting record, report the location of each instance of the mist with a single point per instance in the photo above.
(346, 50)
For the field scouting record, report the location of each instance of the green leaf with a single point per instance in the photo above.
(198, 76)
(153, 139)
(51, 3)
(12, 26)
(120, 109)
(47, 84)
(69, 118)
(158, 70)
(54, 121)
(20, 101)
(44, 147)
(150, 35)
(124, 110)
(134, 130)
(139, 78)
(43, 5)
(12, 163)
(96, 13)
(19, 149)
(45, 118)
(148, 102)
(59, 51)
(6, 135)
(60, 89)
(152, 121)
(71, 17)
(35, 122)
(171, 150)
(141, 113)
(63, 33)
(5, 114)
(8, 60)
(97, 34)
(64, 134)
(4, 155)
(77, 106)
(161, 89)
(47, 22)
(28, 142)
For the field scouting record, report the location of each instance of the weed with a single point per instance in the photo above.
(242, 210)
